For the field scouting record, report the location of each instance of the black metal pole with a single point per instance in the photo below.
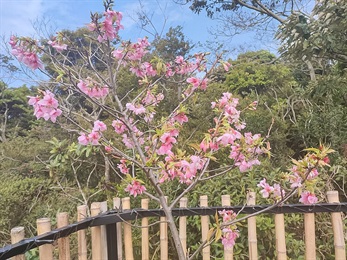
(112, 250)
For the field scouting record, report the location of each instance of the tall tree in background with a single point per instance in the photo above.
(297, 25)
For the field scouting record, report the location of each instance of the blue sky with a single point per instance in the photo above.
(20, 17)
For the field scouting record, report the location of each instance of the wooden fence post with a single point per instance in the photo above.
(205, 221)
(104, 232)
(99, 239)
(228, 251)
(336, 219)
(252, 229)
(183, 226)
(310, 236)
(164, 248)
(144, 232)
(63, 243)
(44, 226)
(17, 234)
(81, 234)
(280, 237)
(128, 240)
(117, 205)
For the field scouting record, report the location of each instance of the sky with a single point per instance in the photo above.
(21, 17)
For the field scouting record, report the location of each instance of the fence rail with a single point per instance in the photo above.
(106, 229)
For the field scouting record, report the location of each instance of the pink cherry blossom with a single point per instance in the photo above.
(127, 141)
(181, 118)
(226, 65)
(108, 149)
(58, 46)
(135, 188)
(108, 28)
(228, 215)
(46, 107)
(179, 59)
(313, 174)
(94, 137)
(204, 145)
(165, 149)
(267, 189)
(295, 180)
(83, 139)
(278, 192)
(194, 81)
(229, 137)
(119, 126)
(13, 41)
(229, 237)
(33, 100)
(92, 89)
(308, 198)
(32, 60)
(203, 84)
(54, 113)
(149, 117)
(123, 167)
(26, 51)
(99, 126)
(137, 109)
(118, 54)
(167, 141)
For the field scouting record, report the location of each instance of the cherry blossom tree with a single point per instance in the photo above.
(144, 149)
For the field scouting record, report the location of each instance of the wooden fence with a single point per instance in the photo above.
(111, 231)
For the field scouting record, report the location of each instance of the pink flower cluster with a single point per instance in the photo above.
(46, 107)
(229, 237)
(302, 175)
(167, 140)
(230, 233)
(274, 191)
(183, 169)
(135, 188)
(132, 51)
(180, 118)
(95, 135)
(227, 215)
(244, 149)
(108, 29)
(137, 109)
(123, 167)
(196, 83)
(92, 89)
(246, 158)
(26, 51)
(57, 45)
(308, 198)
(144, 70)
(182, 66)
(227, 104)
(121, 128)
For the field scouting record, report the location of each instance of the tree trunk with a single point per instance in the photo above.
(173, 229)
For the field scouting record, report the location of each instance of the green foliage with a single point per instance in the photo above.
(320, 35)
(15, 115)
(25, 199)
(258, 71)
(173, 44)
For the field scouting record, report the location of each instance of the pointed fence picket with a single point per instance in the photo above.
(106, 245)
